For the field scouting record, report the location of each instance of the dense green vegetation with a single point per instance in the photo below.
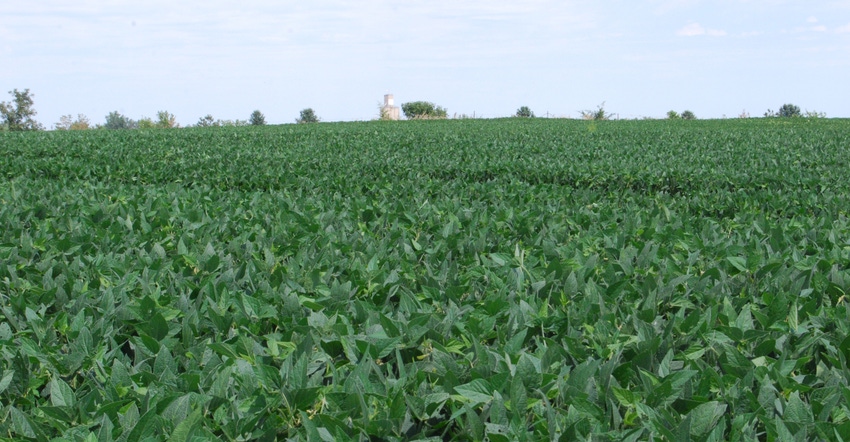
(520, 279)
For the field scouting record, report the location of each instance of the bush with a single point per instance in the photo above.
(524, 112)
(422, 110)
(307, 116)
(596, 115)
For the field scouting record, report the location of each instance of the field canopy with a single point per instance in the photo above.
(518, 279)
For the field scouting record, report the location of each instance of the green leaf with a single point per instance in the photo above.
(156, 327)
(476, 392)
(793, 321)
(184, 429)
(6, 380)
(738, 262)
(705, 416)
(61, 394)
(21, 424)
(797, 411)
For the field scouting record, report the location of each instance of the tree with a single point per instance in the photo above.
(673, 115)
(789, 111)
(257, 118)
(145, 123)
(117, 121)
(208, 121)
(307, 116)
(422, 110)
(165, 120)
(688, 115)
(67, 122)
(524, 112)
(18, 114)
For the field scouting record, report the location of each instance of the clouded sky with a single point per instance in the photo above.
(484, 57)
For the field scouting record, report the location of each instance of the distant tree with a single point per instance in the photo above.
(422, 110)
(307, 116)
(145, 123)
(117, 121)
(231, 123)
(688, 115)
(596, 115)
(789, 111)
(165, 120)
(67, 122)
(207, 121)
(257, 118)
(18, 114)
(673, 115)
(524, 112)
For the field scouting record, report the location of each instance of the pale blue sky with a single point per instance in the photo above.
(487, 57)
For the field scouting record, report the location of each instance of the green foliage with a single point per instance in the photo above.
(207, 121)
(685, 115)
(145, 123)
(422, 110)
(524, 112)
(789, 111)
(596, 115)
(165, 120)
(258, 119)
(67, 122)
(307, 116)
(18, 114)
(456, 280)
(114, 120)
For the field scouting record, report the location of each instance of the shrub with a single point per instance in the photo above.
(422, 110)
(596, 115)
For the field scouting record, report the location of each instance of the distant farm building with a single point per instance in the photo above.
(389, 111)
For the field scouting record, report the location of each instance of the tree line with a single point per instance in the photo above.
(19, 115)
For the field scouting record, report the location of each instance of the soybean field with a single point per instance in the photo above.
(464, 280)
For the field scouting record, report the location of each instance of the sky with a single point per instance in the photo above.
(482, 58)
